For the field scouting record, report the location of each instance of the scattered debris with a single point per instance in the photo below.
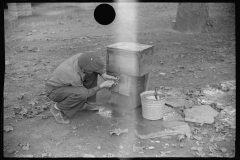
(151, 147)
(34, 49)
(215, 154)
(33, 102)
(165, 145)
(197, 138)
(227, 117)
(74, 127)
(29, 112)
(138, 149)
(25, 156)
(181, 67)
(218, 139)
(118, 131)
(58, 143)
(212, 147)
(172, 128)
(104, 112)
(22, 48)
(11, 115)
(204, 132)
(21, 96)
(46, 154)
(225, 86)
(171, 114)
(174, 145)
(199, 149)
(175, 56)
(181, 145)
(223, 150)
(200, 114)
(200, 154)
(180, 137)
(26, 146)
(88, 155)
(109, 155)
(12, 151)
(164, 153)
(195, 130)
(8, 128)
(7, 105)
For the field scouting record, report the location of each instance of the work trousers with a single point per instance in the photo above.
(72, 99)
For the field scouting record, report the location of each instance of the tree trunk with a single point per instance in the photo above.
(191, 17)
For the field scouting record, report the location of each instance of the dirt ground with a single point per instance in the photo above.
(37, 44)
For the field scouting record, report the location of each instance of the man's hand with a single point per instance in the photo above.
(106, 84)
(108, 77)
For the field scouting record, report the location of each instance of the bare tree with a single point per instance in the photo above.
(191, 17)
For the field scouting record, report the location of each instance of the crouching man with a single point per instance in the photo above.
(74, 83)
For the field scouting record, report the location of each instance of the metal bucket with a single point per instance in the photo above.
(152, 109)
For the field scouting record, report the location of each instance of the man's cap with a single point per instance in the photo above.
(90, 62)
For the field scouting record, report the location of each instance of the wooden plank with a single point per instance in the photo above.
(121, 100)
(129, 58)
(147, 79)
(129, 91)
(127, 102)
(130, 84)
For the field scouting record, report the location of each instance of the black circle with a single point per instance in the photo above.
(104, 14)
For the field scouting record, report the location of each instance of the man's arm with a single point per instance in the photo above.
(105, 76)
(105, 84)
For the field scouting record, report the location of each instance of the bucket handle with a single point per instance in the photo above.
(156, 94)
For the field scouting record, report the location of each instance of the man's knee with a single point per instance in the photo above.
(81, 94)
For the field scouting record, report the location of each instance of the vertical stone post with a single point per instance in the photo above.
(12, 11)
(132, 62)
(19, 9)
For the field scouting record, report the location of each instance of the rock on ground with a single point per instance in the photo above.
(200, 114)
(166, 129)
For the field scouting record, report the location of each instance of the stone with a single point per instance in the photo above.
(163, 129)
(200, 114)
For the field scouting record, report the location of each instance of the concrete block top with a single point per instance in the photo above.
(128, 46)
